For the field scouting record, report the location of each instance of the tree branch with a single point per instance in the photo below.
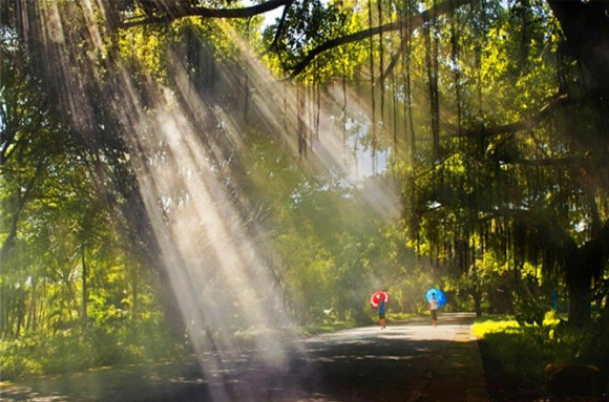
(245, 12)
(394, 59)
(9, 242)
(408, 23)
(553, 105)
(557, 162)
(280, 26)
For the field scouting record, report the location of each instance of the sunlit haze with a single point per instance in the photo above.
(217, 273)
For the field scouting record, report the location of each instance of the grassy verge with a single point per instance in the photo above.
(515, 356)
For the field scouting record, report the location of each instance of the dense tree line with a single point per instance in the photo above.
(471, 156)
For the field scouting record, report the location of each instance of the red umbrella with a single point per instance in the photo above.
(377, 297)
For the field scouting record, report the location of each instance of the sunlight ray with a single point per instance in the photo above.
(183, 147)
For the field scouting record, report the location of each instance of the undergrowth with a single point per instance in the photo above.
(522, 352)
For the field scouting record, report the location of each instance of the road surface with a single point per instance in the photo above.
(406, 363)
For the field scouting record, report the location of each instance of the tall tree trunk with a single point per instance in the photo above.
(586, 28)
(579, 304)
(581, 265)
(477, 295)
(578, 281)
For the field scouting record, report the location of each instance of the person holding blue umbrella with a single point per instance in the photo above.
(433, 307)
(436, 299)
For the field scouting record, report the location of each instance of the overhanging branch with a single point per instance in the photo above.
(510, 128)
(231, 13)
(555, 162)
(406, 23)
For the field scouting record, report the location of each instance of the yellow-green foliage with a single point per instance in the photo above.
(507, 324)
(148, 49)
(501, 324)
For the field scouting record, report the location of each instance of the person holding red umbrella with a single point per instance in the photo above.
(382, 307)
(379, 300)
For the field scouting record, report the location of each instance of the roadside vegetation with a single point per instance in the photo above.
(516, 354)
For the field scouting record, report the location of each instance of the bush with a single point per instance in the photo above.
(70, 351)
(14, 367)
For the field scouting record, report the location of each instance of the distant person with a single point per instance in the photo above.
(382, 310)
(433, 307)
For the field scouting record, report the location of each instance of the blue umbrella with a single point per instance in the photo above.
(440, 297)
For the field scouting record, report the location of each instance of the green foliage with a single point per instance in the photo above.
(310, 23)
(66, 352)
(523, 351)
(531, 312)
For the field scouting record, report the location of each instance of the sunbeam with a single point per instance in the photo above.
(183, 148)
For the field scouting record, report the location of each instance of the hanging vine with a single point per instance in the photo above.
(344, 85)
(480, 33)
(379, 5)
(301, 116)
(408, 79)
(454, 39)
(431, 60)
(394, 91)
(373, 100)
(317, 100)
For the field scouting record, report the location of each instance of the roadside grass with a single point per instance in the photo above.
(515, 356)
(523, 351)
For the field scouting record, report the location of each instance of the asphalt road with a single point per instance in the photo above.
(407, 362)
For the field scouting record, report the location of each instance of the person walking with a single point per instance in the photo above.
(382, 308)
(433, 308)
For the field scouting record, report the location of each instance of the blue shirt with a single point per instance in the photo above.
(382, 306)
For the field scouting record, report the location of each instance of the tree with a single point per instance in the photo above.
(459, 144)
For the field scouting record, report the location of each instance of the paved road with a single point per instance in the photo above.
(405, 363)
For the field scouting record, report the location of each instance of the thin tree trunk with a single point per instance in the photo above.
(85, 290)
(31, 319)
(134, 291)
